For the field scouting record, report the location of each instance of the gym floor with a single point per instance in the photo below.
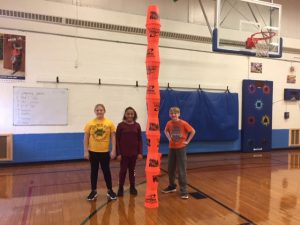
(225, 189)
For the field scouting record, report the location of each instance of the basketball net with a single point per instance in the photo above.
(262, 49)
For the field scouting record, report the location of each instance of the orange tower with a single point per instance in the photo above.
(153, 103)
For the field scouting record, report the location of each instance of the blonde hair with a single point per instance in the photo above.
(100, 105)
(174, 110)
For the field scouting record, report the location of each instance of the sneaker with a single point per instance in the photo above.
(92, 196)
(111, 195)
(121, 191)
(184, 195)
(169, 189)
(133, 191)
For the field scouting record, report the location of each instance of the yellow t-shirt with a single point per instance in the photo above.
(100, 131)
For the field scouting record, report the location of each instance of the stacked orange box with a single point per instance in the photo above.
(153, 104)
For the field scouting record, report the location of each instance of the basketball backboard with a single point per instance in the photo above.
(238, 21)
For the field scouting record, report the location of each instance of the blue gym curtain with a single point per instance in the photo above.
(213, 115)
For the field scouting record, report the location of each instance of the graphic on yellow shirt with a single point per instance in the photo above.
(100, 132)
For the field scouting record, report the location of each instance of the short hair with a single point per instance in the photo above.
(134, 112)
(174, 110)
(100, 105)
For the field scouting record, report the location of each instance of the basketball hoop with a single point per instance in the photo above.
(261, 44)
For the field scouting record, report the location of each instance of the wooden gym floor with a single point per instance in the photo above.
(228, 189)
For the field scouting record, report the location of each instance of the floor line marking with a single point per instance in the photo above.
(218, 202)
(102, 206)
(27, 204)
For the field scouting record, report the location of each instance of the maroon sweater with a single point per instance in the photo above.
(129, 139)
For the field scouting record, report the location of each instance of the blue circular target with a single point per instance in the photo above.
(259, 104)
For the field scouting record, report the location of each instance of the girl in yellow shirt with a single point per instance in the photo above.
(97, 135)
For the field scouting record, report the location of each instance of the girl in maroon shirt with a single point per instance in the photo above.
(129, 148)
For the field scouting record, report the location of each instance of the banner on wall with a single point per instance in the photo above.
(12, 56)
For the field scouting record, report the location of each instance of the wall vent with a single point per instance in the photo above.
(30, 16)
(117, 28)
(294, 137)
(6, 147)
(97, 25)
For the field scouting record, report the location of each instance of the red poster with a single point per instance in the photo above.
(12, 56)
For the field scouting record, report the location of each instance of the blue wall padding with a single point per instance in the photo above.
(47, 147)
(69, 146)
(280, 138)
(213, 115)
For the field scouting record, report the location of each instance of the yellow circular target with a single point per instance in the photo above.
(265, 120)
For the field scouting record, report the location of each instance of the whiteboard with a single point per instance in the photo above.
(40, 106)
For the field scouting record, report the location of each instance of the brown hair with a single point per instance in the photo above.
(101, 105)
(134, 112)
(174, 110)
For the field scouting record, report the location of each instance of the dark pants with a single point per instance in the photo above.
(103, 158)
(127, 162)
(177, 158)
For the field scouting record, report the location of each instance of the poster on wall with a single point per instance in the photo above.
(256, 67)
(12, 56)
(291, 79)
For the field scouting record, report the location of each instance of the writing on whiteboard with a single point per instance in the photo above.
(40, 106)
